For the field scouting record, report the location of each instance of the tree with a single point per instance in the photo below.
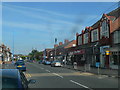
(35, 55)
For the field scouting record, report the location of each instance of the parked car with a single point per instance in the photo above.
(47, 63)
(56, 64)
(43, 62)
(21, 66)
(31, 61)
(14, 79)
(40, 61)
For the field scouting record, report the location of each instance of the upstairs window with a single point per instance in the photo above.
(85, 38)
(104, 29)
(94, 35)
(79, 40)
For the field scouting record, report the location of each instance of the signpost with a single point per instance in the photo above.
(98, 65)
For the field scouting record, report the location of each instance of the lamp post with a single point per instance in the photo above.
(13, 47)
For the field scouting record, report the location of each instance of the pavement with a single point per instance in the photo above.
(94, 70)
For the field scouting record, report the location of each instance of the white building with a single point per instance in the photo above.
(5, 54)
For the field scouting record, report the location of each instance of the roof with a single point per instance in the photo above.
(115, 12)
(64, 45)
(96, 24)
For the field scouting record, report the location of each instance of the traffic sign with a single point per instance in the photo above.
(97, 64)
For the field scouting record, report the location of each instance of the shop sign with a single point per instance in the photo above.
(107, 52)
(103, 49)
(77, 52)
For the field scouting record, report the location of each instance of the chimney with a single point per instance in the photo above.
(66, 41)
(60, 43)
(82, 31)
(55, 45)
(77, 34)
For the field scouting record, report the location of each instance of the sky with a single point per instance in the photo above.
(29, 25)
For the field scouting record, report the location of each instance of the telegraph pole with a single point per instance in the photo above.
(55, 47)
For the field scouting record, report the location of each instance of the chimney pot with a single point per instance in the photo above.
(56, 45)
(60, 43)
(66, 41)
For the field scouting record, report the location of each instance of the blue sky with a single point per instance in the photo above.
(37, 24)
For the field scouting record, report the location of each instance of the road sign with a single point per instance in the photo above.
(97, 64)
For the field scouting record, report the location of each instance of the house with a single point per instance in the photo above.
(5, 53)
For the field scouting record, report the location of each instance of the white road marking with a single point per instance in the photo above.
(57, 75)
(42, 68)
(80, 84)
(47, 70)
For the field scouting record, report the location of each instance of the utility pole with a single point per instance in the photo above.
(55, 47)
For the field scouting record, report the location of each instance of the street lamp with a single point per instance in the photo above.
(13, 46)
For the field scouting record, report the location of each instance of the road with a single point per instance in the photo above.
(59, 77)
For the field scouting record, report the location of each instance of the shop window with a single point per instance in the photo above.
(115, 60)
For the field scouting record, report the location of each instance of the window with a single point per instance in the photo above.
(94, 35)
(104, 29)
(79, 40)
(85, 38)
(115, 60)
(116, 36)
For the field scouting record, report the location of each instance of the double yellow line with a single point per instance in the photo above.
(27, 75)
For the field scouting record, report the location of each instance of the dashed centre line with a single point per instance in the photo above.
(80, 84)
(47, 70)
(42, 68)
(57, 75)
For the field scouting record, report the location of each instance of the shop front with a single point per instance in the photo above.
(76, 56)
(114, 57)
(104, 59)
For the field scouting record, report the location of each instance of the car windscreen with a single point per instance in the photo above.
(56, 61)
(20, 63)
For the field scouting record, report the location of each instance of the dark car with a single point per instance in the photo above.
(14, 79)
(21, 66)
(21, 60)
(31, 61)
(47, 62)
(40, 61)
(43, 62)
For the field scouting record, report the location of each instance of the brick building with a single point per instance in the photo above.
(59, 52)
(99, 38)
(46, 54)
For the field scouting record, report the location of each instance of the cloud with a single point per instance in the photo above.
(27, 11)
(24, 25)
(38, 26)
(52, 22)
